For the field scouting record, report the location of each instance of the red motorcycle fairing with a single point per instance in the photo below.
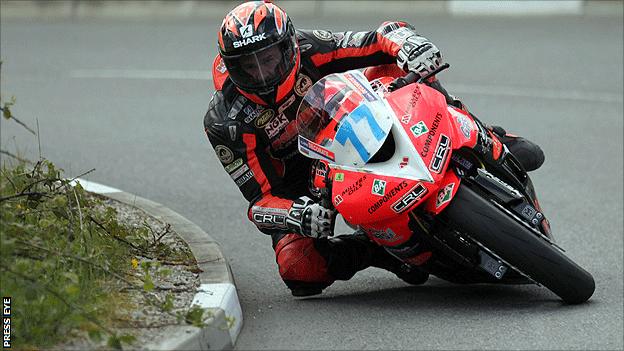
(380, 202)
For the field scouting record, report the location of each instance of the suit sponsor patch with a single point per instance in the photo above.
(323, 35)
(224, 153)
(244, 178)
(234, 165)
(236, 174)
(264, 118)
(276, 125)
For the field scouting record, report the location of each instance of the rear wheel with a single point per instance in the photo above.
(518, 246)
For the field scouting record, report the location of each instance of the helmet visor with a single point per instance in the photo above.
(264, 68)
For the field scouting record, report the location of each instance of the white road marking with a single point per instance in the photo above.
(140, 74)
(453, 88)
(533, 92)
(95, 187)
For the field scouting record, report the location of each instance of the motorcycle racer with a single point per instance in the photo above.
(263, 70)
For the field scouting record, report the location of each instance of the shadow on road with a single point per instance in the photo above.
(437, 294)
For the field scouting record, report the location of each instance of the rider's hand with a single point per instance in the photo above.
(418, 54)
(308, 218)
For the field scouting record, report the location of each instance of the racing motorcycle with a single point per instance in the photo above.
(397, 161)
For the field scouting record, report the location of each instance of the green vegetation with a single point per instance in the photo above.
(68, 263)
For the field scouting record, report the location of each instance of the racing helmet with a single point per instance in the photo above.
(259, 48)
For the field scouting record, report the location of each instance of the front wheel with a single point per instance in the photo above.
(502, 234)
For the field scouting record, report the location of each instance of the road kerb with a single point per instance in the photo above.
(217, 291)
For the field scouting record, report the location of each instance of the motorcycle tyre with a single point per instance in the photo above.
(516, 244)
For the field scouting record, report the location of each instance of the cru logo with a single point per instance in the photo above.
(441, 152)
(6, 322)
(379, 187)
(419, 129)
(410, 198)
(246, 31)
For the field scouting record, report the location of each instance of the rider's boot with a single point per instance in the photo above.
(529, 154)
(353, 253)
(380, 258)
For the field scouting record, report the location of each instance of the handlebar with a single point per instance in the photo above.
(414, 77)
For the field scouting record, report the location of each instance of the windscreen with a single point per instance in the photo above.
(342, 120)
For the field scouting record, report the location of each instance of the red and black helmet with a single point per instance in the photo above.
(259, 48)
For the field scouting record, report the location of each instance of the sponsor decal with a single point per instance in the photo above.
(441, 152)
(224, 153)
(379, 187)
(406, 118)
(236, 174)
(528, 212)
(306, 146)
(234, 165)
(389, 195)
(410, 198)
(464, 124)
(337, 200)
(320, 172)
(349, 190)
(493, 177)
(286, 104)
(416, 94)
(246, 31)
(264, 118)
(432, 132)
(368, 95)
(386, 235)
(237, 107)
(353, 39)
(304, 47)
(419, 129)
(444, 195)
(269, 217)
(285, 138)
(276, 125)
(252, 113)
(250, 40)
(404, 162)
(244, 178)
(221, 66)
(303, 84)
(399, 35)
(339, 177)
(232, 130)
(462, 161)
(323, 35)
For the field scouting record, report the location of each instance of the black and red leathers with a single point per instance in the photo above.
(257, 146)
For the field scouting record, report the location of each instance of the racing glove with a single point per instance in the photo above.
(418, 54)
(309, 218)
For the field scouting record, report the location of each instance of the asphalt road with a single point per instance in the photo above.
(557, 81)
